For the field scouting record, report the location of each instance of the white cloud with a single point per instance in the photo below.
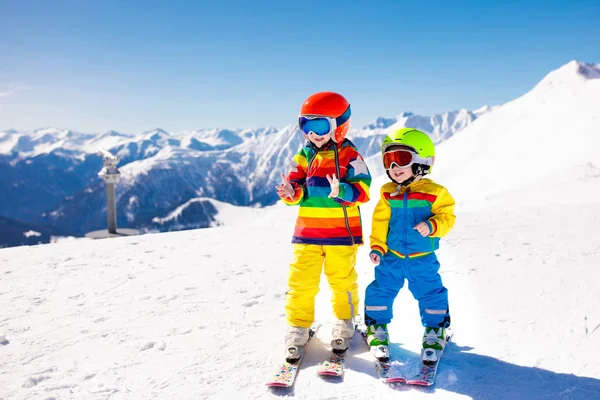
(10, 89)
(8, 92)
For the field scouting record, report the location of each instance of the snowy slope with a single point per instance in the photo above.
(220, 213)
(439, 126)
(199, 314)
(542, 133)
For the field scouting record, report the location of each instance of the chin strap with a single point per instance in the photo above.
(328, 144)
(418, 171)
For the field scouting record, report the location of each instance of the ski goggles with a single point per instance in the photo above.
(403, 158)
(321, 125)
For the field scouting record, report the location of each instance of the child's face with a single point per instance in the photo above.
(318, 141)
(401, 174)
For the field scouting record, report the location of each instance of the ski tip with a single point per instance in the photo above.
(277, 385)
(330, 373)
(395, 380)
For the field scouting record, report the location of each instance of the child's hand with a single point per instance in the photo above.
(335, 185)
(285, 189)
(422, 228)
(375, 259)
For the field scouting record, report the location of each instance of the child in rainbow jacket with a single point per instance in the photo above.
(328, 179)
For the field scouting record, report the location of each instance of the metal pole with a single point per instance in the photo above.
(110, 175)
(111, 208)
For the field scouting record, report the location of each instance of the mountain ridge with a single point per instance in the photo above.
(161, 171)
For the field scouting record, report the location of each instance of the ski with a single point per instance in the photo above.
(428, 371)
(334, 364)
(386, 370)
(285, 375)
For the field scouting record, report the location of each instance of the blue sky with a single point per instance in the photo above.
(137, 65)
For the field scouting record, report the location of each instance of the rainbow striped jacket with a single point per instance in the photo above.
(398, 212)
(323, 220)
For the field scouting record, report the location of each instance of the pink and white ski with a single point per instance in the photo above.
(427, 373)
(333, 366)
(387, 371)
(285, 374)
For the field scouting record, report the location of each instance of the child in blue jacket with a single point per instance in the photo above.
(413, 213)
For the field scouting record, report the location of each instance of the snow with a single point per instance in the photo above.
(159, 160)
(8, 141)
(199, 314)
(22, 145)
(571, 72)
(484, 109)
(439, 126)
(31, 233)
(228, 215)
(541, 134)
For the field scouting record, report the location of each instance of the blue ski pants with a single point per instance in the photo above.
(424, 282)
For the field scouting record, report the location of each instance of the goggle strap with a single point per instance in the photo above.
(421, 160)
(344, 117)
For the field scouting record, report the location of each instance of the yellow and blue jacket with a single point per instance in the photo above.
(323, 220)
(399, 211)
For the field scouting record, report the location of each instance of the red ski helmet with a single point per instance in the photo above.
(331, 105)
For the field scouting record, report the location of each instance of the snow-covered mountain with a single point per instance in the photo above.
(543, 133)
(51, 174)
(162, 172)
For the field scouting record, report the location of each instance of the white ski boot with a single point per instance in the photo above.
(295, 341)
(341, 335)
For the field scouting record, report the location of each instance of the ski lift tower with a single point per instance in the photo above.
(110, 175)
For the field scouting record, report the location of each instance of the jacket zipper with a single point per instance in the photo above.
(337, 169)
(405, 200)
(314, 154)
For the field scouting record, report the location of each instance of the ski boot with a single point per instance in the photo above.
(379, 341)
(341, 335)
(434, 340)
(295, 341)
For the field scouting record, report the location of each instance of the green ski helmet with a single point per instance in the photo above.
(417, 141)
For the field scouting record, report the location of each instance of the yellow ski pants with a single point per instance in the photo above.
(305, 274)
